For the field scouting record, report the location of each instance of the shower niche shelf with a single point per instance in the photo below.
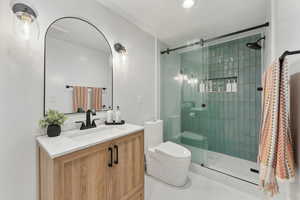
(222, 78)
(219, 85)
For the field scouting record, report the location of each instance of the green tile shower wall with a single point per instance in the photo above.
(231, 120)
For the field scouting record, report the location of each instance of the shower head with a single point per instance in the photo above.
(255, 45)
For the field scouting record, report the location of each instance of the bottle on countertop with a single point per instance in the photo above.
(109, 115)
(118, 115)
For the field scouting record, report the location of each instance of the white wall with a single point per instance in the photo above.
(269, 49)
(21, 85)
(287, 30)
(285, 34)
(72, 64)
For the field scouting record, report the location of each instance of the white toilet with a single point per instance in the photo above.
(166, 161)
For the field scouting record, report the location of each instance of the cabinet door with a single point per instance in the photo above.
(83, 175)
(128, 170)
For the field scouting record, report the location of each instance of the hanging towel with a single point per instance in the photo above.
(80, 99)
(276, 155)
(97, 98)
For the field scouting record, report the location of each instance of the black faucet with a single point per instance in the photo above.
(88, 122)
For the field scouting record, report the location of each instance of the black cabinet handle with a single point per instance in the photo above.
(117, 154)
(110, 164)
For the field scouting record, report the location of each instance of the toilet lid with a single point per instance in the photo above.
(173, 150)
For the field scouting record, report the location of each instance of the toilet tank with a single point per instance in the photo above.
(153, 134)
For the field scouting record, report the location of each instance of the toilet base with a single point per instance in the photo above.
(171, 171)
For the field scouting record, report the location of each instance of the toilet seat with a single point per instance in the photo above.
(173, 150)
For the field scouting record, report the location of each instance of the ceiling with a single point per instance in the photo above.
(80, 33)
(175, 25)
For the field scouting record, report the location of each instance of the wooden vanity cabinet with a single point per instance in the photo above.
(109, 171)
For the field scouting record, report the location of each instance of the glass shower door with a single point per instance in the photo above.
(183, 101)
(194, 104)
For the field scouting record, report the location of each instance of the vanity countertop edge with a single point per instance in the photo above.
(64, 144)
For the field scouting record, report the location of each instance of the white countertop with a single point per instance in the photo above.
(75, 140)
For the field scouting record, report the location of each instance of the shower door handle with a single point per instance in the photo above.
(260, 89)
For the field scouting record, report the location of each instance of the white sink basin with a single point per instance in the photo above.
(93, 131)
(100, 132)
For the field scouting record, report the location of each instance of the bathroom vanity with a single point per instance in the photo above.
(104, 163)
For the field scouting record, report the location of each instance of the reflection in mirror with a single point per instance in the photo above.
(78, 67)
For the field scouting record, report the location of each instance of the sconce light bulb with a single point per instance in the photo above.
(23, 27)
(26, 30)
(24, 17)
(188, 4)
(124, 57)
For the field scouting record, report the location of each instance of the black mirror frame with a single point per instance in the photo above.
(45, 45)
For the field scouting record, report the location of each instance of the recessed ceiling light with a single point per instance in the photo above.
(188, 3)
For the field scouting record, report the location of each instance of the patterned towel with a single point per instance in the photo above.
(276, 155)
(80, 98)
(97, 99)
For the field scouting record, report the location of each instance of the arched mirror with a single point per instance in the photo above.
(78, 67)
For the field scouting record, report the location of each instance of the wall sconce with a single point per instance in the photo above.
(121, 50)
(25, 20)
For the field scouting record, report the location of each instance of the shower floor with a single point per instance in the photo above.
(227, 164)
(230, 165)
(198, 187)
